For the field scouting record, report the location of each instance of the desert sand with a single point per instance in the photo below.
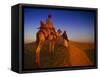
(77, 56)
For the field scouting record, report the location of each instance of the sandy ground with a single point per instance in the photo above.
(77, 56)
(74, 55)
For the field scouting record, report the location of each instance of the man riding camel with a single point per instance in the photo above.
(46, 32)
(49, 23)
(47, 27)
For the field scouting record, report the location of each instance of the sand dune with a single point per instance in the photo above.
(82, 46)
(77, 56)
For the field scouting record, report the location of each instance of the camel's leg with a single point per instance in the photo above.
(66, 43)
(50, 47)
(53, 45)
(38, 53)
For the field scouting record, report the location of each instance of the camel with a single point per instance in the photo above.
(45, 33)
(65, 39)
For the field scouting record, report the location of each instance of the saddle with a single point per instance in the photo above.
(48, 32)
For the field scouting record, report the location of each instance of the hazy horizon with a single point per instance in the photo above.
(78, 24)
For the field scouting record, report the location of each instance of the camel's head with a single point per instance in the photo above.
(42, 23)
(59, 31)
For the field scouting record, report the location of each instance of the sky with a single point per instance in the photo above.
(79, 25)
